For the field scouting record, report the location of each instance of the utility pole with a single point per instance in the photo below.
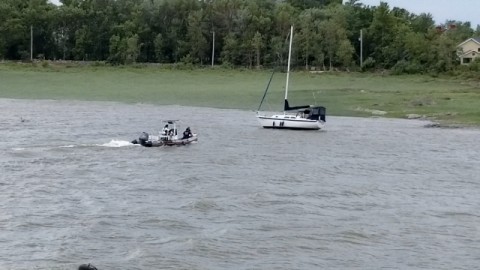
(361, 48)
(213, 47)
(31, 43)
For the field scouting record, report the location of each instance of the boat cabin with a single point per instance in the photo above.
(313, 113)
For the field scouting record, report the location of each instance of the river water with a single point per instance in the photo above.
(367, 193)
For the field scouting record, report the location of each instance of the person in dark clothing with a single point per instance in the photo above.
(187, 133)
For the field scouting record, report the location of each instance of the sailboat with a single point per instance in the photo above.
(306, 117)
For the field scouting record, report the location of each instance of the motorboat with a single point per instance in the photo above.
(168, 136)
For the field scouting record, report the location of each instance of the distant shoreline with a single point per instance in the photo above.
(447, 101)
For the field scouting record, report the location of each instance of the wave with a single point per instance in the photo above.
(116, 143)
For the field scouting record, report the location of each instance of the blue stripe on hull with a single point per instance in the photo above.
(288, 120)
(293, 128)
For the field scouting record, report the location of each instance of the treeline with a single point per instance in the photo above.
(246, 33)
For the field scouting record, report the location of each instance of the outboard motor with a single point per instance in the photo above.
(317, 113)
(143, 138)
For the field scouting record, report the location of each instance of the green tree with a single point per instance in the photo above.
(334, 37)
(68, 20)
(307, 4)
(308, 34)
(159, 47)
(82, 44)
(381, 35)
(229, 54)
(132, 49)
(117, 49)
(422, 23)
(196, 42)
(359, 19)
(257, 43)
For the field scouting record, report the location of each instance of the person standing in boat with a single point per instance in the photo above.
(187, 133)
(163, 134)
(165, 130)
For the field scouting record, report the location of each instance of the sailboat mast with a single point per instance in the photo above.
(289, 58)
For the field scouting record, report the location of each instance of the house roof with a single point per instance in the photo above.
(474, 39)
(470, 52)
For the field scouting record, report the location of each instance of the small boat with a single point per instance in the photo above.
(168, 136)
(306, 117)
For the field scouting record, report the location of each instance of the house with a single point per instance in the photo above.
(468, 50)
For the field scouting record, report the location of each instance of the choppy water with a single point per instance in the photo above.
(365, 194)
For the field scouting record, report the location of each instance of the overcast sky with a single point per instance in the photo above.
(441, 10)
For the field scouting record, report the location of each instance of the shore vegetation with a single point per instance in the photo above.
(449, 100)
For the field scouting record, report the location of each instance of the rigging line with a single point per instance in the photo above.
(276, 66)
(266, 89)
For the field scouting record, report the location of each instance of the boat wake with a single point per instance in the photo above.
(116, 143)
(112, 144)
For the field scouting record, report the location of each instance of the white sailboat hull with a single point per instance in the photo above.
(289, 122)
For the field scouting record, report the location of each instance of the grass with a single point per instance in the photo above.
(448, 100)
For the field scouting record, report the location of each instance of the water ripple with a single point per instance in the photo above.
(366, 194)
